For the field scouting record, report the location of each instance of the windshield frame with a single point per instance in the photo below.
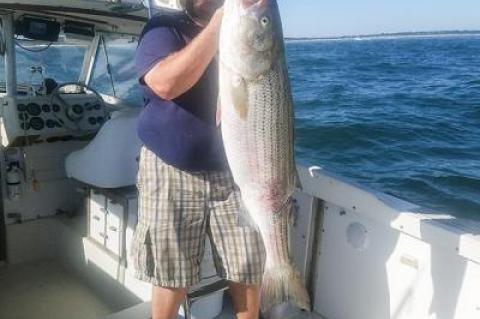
(91, 58)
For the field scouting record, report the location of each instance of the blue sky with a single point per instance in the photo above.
(350, 17)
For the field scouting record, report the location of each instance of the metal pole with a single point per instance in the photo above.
(10, 58)
(148, 4)
(187, 310)
(89, 60)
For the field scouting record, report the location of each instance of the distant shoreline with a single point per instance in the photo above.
(388, 35)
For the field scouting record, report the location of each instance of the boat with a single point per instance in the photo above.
(68, 161)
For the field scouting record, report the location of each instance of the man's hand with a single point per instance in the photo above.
(180, 71)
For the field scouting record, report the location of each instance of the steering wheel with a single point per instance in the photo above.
(73, 113)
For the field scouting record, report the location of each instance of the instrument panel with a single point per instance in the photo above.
(36, 118)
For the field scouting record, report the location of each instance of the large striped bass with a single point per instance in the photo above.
(257, 126)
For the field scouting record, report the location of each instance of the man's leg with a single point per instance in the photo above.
(170, 232)
(237, 247)
(246, 300)
(166, 302)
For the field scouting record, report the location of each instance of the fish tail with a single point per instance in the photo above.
(283, 284)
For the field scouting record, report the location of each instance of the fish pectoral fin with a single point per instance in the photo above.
(239, 95)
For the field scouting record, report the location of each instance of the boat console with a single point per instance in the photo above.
(34, 119)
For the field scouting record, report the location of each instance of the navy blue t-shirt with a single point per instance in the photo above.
(182, 132)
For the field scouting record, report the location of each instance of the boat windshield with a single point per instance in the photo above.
(61, 61)
(119, 79)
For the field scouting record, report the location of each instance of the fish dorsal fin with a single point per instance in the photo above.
(239, 95)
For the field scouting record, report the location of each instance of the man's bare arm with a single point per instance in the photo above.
(180, 71)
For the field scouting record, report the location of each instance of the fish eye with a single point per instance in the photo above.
(265, 21)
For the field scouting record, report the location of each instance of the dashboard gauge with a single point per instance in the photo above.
(21, 107)
(34, 109)
(46, 108)
(92, 120)
(37, 123)
(77, 109)
(56, 108)
(51, 123)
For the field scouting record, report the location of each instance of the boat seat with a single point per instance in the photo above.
(110, 160)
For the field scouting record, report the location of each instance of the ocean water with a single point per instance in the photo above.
(400, 115)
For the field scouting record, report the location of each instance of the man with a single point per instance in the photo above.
(186, 191)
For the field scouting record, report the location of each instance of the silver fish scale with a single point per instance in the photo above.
(269, 132)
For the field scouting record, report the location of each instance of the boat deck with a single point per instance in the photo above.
(44, 290)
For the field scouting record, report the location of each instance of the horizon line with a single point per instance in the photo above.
(383, 34)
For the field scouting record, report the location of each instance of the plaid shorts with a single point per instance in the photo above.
(177, 210)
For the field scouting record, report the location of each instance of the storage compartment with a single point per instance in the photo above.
(97, 227)
(97, 217)
(114, 226)
(107, 217)
(97, 201)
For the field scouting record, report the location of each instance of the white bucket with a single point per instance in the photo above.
(210, 306)
(207, 307)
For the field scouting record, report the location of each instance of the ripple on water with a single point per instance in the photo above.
(402, 116)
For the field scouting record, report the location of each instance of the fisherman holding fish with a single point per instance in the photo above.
(196, 178)
(186, 191)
